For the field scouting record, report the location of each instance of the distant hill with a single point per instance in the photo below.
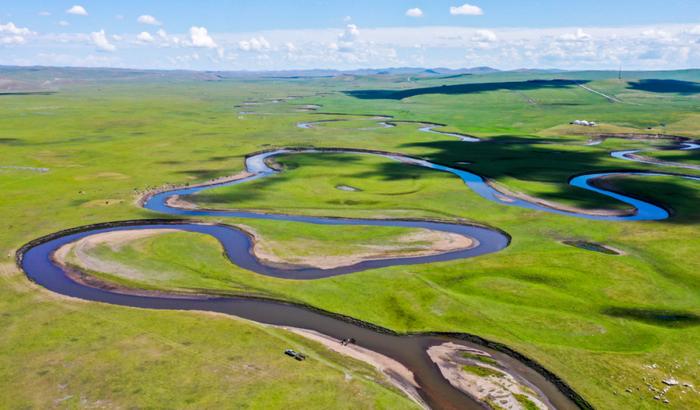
(414, 71)
(15, 79)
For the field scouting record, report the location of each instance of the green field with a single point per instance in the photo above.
(611, 326)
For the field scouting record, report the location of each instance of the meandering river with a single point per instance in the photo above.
(410, 350)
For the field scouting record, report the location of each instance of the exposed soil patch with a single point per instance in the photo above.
(79, 251)
(21, 168)
(421, 243)
(347, 188)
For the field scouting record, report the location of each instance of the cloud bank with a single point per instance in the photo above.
(665, 46)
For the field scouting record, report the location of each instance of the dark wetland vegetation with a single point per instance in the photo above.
(591, 246)
(617, 330)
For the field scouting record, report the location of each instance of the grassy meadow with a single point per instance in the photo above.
(611, 326)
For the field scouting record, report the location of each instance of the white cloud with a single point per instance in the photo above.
(350, 34)
(99, 39)
(44, 13)
(346, 40)
(145, 37)
(11, 28)
(167, 40)
(578, 35)
(148, 19)
(660, 46)
(77, 10)
(13, 40)
(659, 35)
(11, 34)
(117, 37)
(466, 10)
(199, 37)
(254, 44)
(414, 12)
(63, 23)
(485, 36)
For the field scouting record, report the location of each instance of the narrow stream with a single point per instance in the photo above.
(255, 164)
(631, 155)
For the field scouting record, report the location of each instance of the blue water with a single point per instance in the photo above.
(645, 211)
(625, 155)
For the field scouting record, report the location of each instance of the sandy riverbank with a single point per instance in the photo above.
(423, 242)
(396, 373)
(494, 386)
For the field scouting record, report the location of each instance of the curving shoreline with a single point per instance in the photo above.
(388, 121)
(37, 261)
(257, 167)
(174, 205)
(409, 349)
(633, 155)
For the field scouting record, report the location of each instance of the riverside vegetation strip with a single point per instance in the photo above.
(543, 298)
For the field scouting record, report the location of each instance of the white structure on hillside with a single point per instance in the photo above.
(583, 123)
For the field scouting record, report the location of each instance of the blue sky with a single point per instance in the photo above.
(266, 35)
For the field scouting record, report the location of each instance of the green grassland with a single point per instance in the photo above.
(683, 157)
(605, 324)
(165, 262)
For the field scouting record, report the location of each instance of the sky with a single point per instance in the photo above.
(306, 34)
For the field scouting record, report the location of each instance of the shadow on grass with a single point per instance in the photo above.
(666, 86)
(11, 141)
(657, 317)
(223, 157)
(470, 88)
(229, 197)
(670, 190)
(204, 174)
(534, 161)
